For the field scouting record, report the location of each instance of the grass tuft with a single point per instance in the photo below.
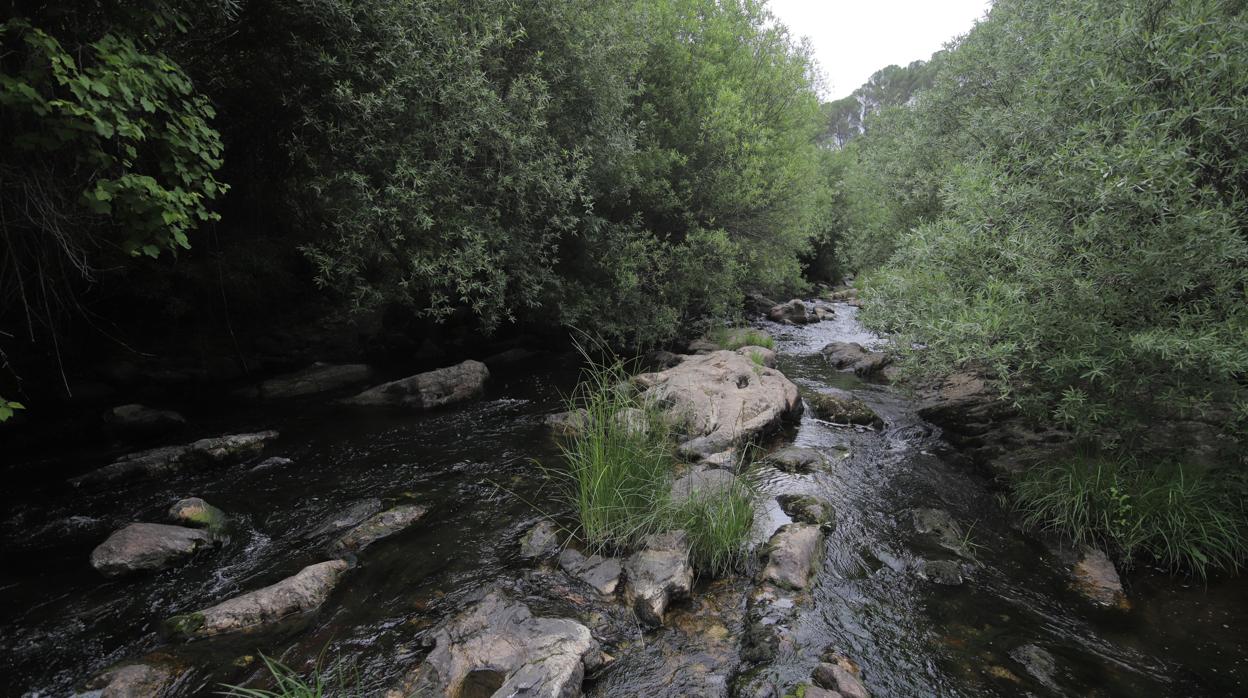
(291, 684)
(733, 338)
(1184, 518)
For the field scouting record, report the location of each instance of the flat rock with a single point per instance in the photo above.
(721, 399)
(658, 575)
(147, 546)
(133, 681)
(841, 407)
(947, 572)
(540, 541)
(601, 573)
(1097, 579)
(196, 513)
(499, 648)
(791, 555)
(797, 460)
(171, 459)
(317, 378)
(1038, 662)
(303, 592)
(378, 526)
(353, 515)
(805, 508)
(143, 419)
(445, 386)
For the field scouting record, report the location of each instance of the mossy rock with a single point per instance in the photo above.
(842, 407)
(185, 625)
(196, 513)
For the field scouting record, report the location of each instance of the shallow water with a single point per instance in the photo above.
(61, 623)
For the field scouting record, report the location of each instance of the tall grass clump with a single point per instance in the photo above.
(733, 338)
(1182, 517)
(291, 684)
(621, 463)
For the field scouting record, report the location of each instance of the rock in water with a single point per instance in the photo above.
(353, 515)
(540, 541)
(143, 419)
(838, 673)
(794, 311)
(722, 399)
(947, 572)
(303, 592)
(852, 356)
(170, 459)
(445, 386)
(146, 546)
(1097, 579)
(842, 407)
(805, 508)
(797, 460)
(702, 482)
(317, 378)
(197, 513)
(791, 555)
(657, 575)
(601, 573)
(941, 525)
(1038, 662)
(498, 648)
(133, 681)
(379, 526)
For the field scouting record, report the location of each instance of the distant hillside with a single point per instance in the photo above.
(892, 86)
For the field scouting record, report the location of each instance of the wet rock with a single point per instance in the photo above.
(498, 648)
(761, 642)
(133, 681)
(804, 508)
(1097, 579)
(143, 419)
(303, 592)
(852, 356)
(567, 424)
(822, 313)
(702, 482)
(170, 459)
(791, 555)
(795, 311)
(658, 575)
(317, 378)
(601, 573)
(761, 356)
(945, 572)
(271, 463)
(353, 515)
(841, 407)
(817, 692)
(147, 546)
(797, 460)
(758, 304)
(445, 386)
(939, 524)
(1038, 662)
(540, 541)
(196, 513)
(838, 673)
(378, 526)
(844, 293)
(720, 400)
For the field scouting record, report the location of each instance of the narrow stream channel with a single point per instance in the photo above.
(477, 467)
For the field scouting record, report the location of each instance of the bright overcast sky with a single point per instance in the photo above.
(854, 38)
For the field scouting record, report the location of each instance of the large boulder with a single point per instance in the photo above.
(791, 555)
(303, 592)
(317, 378)
(841, 407)
(852, 356)
(378, 526)
(722, 399)
(134, 680)
(147, 546)
(170, 459)
(196, 513)
(143, 419)
(498, 648)
(445, 386)
(657, 575)
(795, 311)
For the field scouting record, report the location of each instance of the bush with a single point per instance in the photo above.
(1185, 518)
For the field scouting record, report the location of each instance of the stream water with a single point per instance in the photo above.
(476, 466)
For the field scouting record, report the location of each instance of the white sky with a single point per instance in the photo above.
(854, 38)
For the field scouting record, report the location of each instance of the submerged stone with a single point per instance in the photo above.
(136, 680)
(841, 407)
(379, 526)
(805, 508)
(797, 460)
(445, 386)
(540, 541)
(143, 419)
(317, 378)
(170, 459)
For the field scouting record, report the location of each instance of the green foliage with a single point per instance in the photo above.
(620, 463)
(1076, 221)
(8, 407)
(733, 338)
(1182, 517)
(290, 684)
